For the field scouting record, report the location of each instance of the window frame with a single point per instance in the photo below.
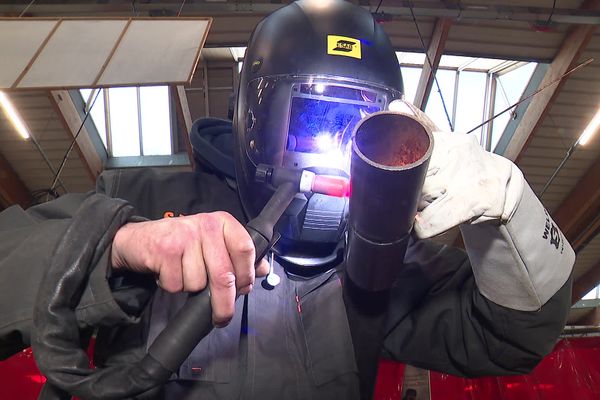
(177, 157)
(491, 87)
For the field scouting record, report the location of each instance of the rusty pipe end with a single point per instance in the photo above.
(392, 140)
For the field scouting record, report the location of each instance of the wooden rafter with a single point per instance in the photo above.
(566, 58)
(12, 189)
(71, 120)
(184, 116)
(577, 216)
(434, 54)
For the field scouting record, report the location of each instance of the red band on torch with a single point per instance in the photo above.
(331, 185)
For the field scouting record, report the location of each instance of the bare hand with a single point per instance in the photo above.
(186, 252)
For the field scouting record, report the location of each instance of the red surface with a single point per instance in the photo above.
(571, 371)
(389, 381)
(331, 185)
(19, 377)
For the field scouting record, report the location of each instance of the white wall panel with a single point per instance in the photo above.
(75, 54)
(19, 41)
(156, 52)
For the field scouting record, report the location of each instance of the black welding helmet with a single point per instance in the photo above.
(312, 70)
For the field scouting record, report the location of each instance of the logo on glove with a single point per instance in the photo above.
(551, 232)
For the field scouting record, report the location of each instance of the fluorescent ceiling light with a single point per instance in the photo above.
(590, 129)
(13, 115)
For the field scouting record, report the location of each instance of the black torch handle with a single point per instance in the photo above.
(194, 320)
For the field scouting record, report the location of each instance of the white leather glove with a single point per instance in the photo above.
(522, 259)
(466, 184)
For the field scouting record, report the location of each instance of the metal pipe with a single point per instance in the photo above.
(390, 155)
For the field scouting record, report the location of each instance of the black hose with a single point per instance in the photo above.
(56, 338)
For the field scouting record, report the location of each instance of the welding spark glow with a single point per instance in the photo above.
(324, 141)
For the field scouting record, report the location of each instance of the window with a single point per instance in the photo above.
(132, 121)
(469, 91)
(592, 294)
(442, 112)
(509, 88)
(410, 77)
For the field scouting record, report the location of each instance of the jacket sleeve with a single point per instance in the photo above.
(497, 311)
(27, 242)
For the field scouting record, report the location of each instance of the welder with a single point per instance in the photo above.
(312, 71)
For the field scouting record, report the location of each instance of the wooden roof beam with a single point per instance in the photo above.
(185, 117)
(71, 120)
(566, 58)
(578, 214)
(579, 219)
(434, 54)
(12, 189)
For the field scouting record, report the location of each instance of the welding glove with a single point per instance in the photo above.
(520, 259)
(466, 184)
(519, 256)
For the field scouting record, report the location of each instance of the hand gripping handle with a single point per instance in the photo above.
(194, 320)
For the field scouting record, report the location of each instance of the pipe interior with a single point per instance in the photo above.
(393, 140)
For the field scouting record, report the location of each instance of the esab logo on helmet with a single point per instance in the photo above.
(343, 46)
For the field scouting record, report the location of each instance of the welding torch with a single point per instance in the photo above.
(194, 320)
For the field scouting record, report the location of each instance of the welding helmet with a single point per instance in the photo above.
(311, 72)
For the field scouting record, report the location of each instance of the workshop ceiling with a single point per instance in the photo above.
(529, 30)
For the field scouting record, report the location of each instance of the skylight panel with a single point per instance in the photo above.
(155, 118)
(138, 121)
(470, 99)
(435, 108)
(124, 123)
(410, 58)
(410, 78)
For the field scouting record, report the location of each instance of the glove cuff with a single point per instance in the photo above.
(522, 263)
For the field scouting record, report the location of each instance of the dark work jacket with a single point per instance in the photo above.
(295, 342)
